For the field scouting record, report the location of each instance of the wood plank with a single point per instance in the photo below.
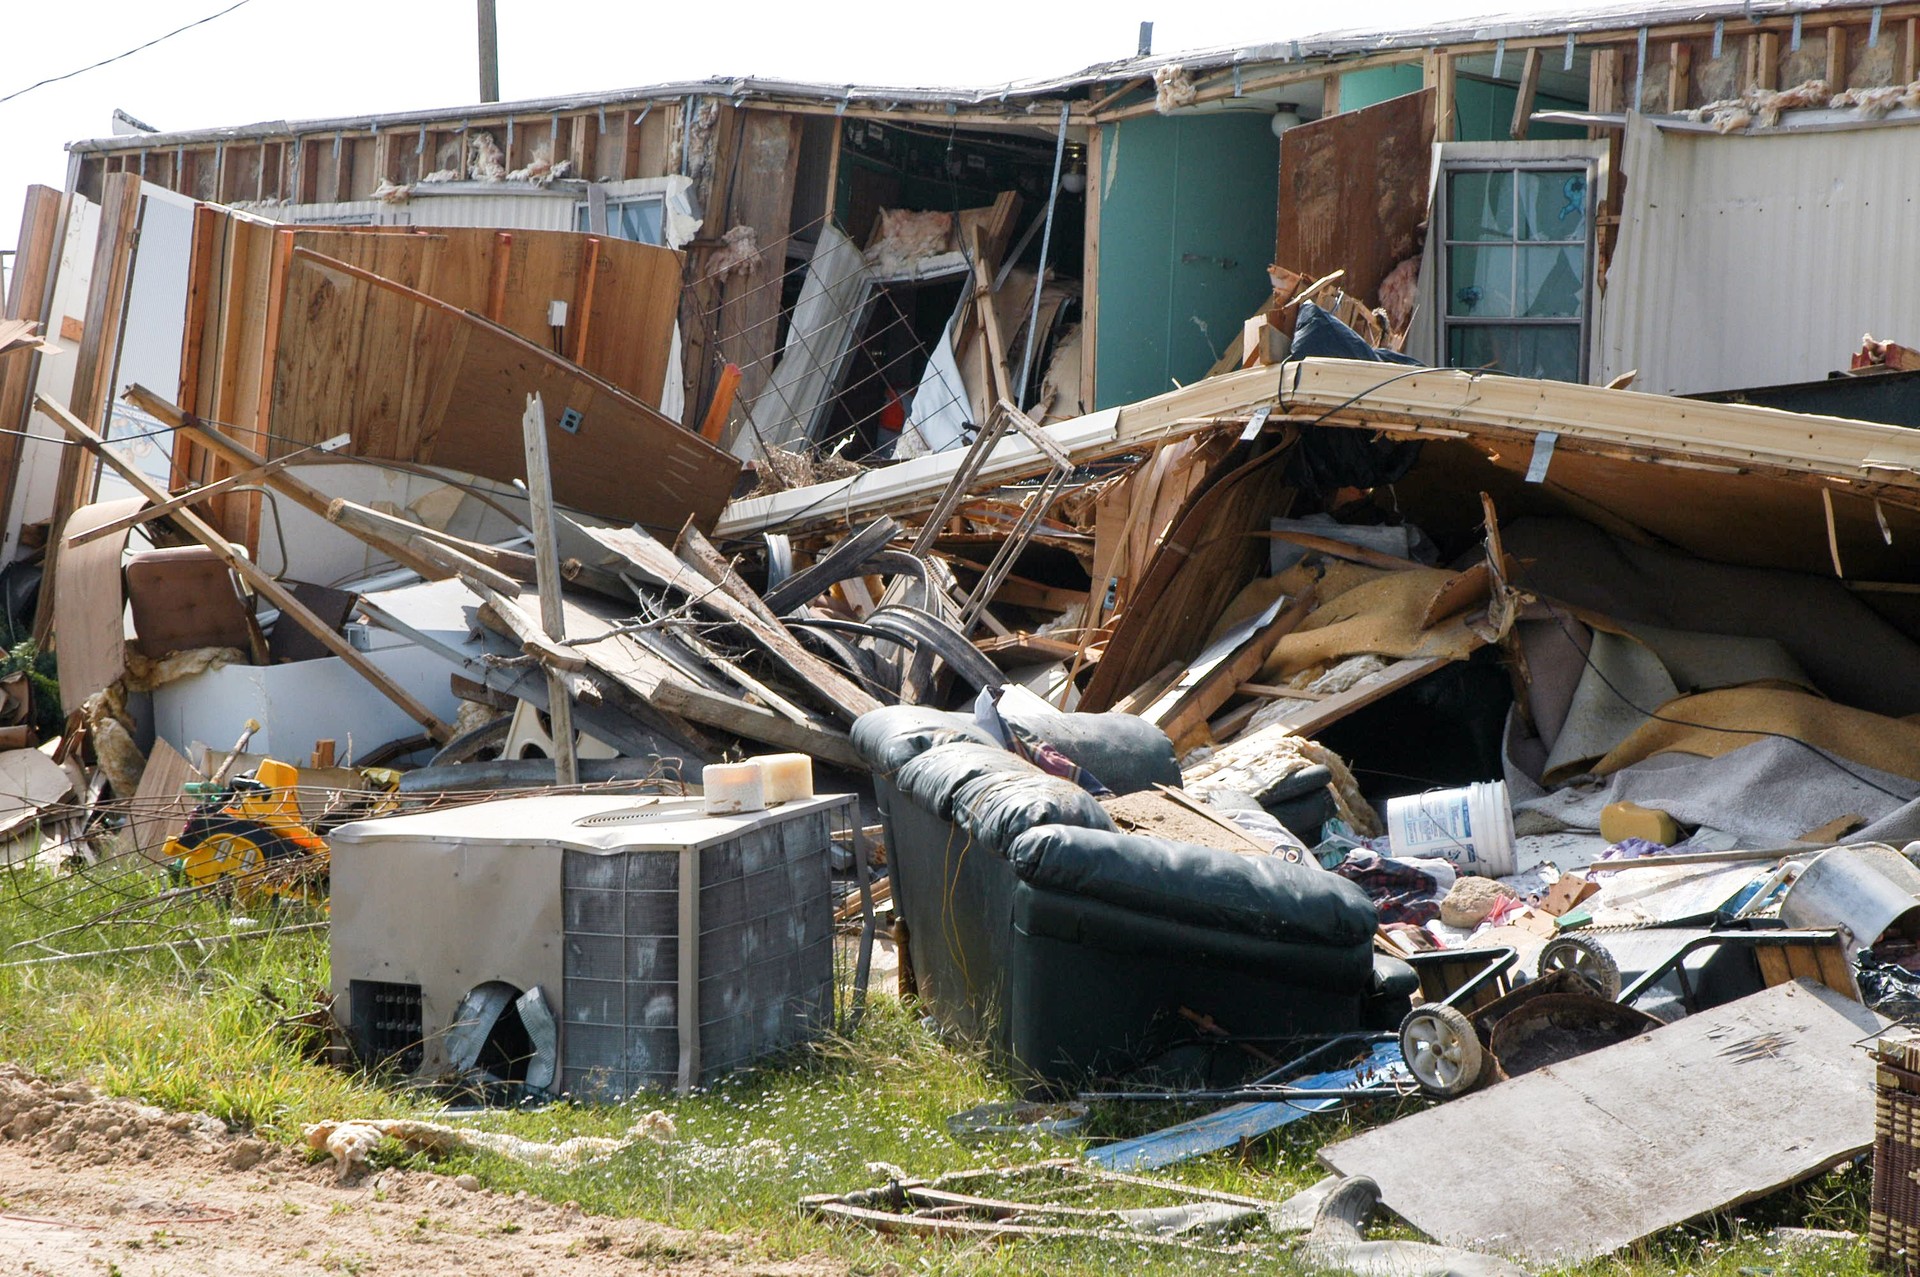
(650, 678)
(546, 564)
(1664, 1099)
(1316, 716)
(1376, 159)
(28, 294)
(1523, 100)
(451, 398)
(160, 808)
(93, 370)
(702, 556)
(262, 582)
(1202, 562)
(657, 563)
(1679, 69)
(236, 455)
(760, 196)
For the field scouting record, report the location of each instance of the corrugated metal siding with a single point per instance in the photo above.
(545, 211)
(1757, 260)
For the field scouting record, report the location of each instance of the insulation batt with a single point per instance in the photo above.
(739, 253)
(352, 1141)
(906, 236)
(1172, 88)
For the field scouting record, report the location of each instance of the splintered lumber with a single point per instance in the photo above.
(658, 564)
(1681, 1098)
(1317, 714)
(624, 660)
(377, 528)
(700, 554)
(546, 563)
(1212, 679)
(263, 583)
(427, 382)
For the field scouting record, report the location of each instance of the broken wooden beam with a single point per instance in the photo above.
(657, 564)
(245, 478)
(263, 583)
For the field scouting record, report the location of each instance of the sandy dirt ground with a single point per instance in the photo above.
(101, 1186)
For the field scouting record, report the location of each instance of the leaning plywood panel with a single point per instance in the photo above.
(1353, 191)
(421, 380)
(1727, 1104)
(27, 283)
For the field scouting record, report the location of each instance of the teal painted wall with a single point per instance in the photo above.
(1377, 84)
(1483, 111)
(1187, 215)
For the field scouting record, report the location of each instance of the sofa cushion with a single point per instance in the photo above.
(1262, 896)
(995, 796)
(887, 738)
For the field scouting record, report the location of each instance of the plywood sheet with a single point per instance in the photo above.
(1717, 1109)
(413, 378)
(89, 604)
(1353, 191)
(160, 809)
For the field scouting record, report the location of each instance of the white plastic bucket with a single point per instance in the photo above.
(1471, 828)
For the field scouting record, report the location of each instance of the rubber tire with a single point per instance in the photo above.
(1442, 1050)
(1586, 958)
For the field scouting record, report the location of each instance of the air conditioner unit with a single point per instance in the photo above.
(597, 945)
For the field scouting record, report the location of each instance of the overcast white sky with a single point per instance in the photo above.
(291, 59)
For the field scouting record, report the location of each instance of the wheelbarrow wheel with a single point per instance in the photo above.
(1441, 1050)
(1585, 958)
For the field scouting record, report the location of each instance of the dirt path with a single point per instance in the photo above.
(96, 1186)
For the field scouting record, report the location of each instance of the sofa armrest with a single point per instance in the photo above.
(888, 738)
(995, 796)
(1266, 897)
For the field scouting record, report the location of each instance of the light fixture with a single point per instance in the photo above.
(1074, 180)
(1285, 116)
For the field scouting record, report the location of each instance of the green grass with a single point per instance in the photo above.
(202, 1032)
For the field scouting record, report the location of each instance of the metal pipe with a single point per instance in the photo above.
(1046, 242)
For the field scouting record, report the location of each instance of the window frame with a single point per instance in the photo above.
(1443, 219)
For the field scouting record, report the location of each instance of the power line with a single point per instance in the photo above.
(55, 79)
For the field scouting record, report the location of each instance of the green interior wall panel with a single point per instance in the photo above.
(1377, 84)
(1186, 231)
(1483, 112)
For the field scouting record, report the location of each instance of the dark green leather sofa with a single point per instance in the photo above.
(1071, 948)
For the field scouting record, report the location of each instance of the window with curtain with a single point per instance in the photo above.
(1516, 273)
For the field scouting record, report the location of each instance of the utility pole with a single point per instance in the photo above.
(489, 54)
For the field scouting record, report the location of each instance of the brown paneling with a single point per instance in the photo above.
(762, 198)
(1353, 191)
(414, 378)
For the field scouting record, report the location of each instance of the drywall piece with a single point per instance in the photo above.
(314, 699)
(424, 381)
(1729, 1105)
(90, 604)
(1377, 160)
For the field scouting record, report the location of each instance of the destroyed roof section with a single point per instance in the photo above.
(1324, 46)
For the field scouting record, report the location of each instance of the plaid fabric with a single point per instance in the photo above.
(1041, 753)
(1399, 891)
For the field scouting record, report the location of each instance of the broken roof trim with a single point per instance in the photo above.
(1019, 99)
